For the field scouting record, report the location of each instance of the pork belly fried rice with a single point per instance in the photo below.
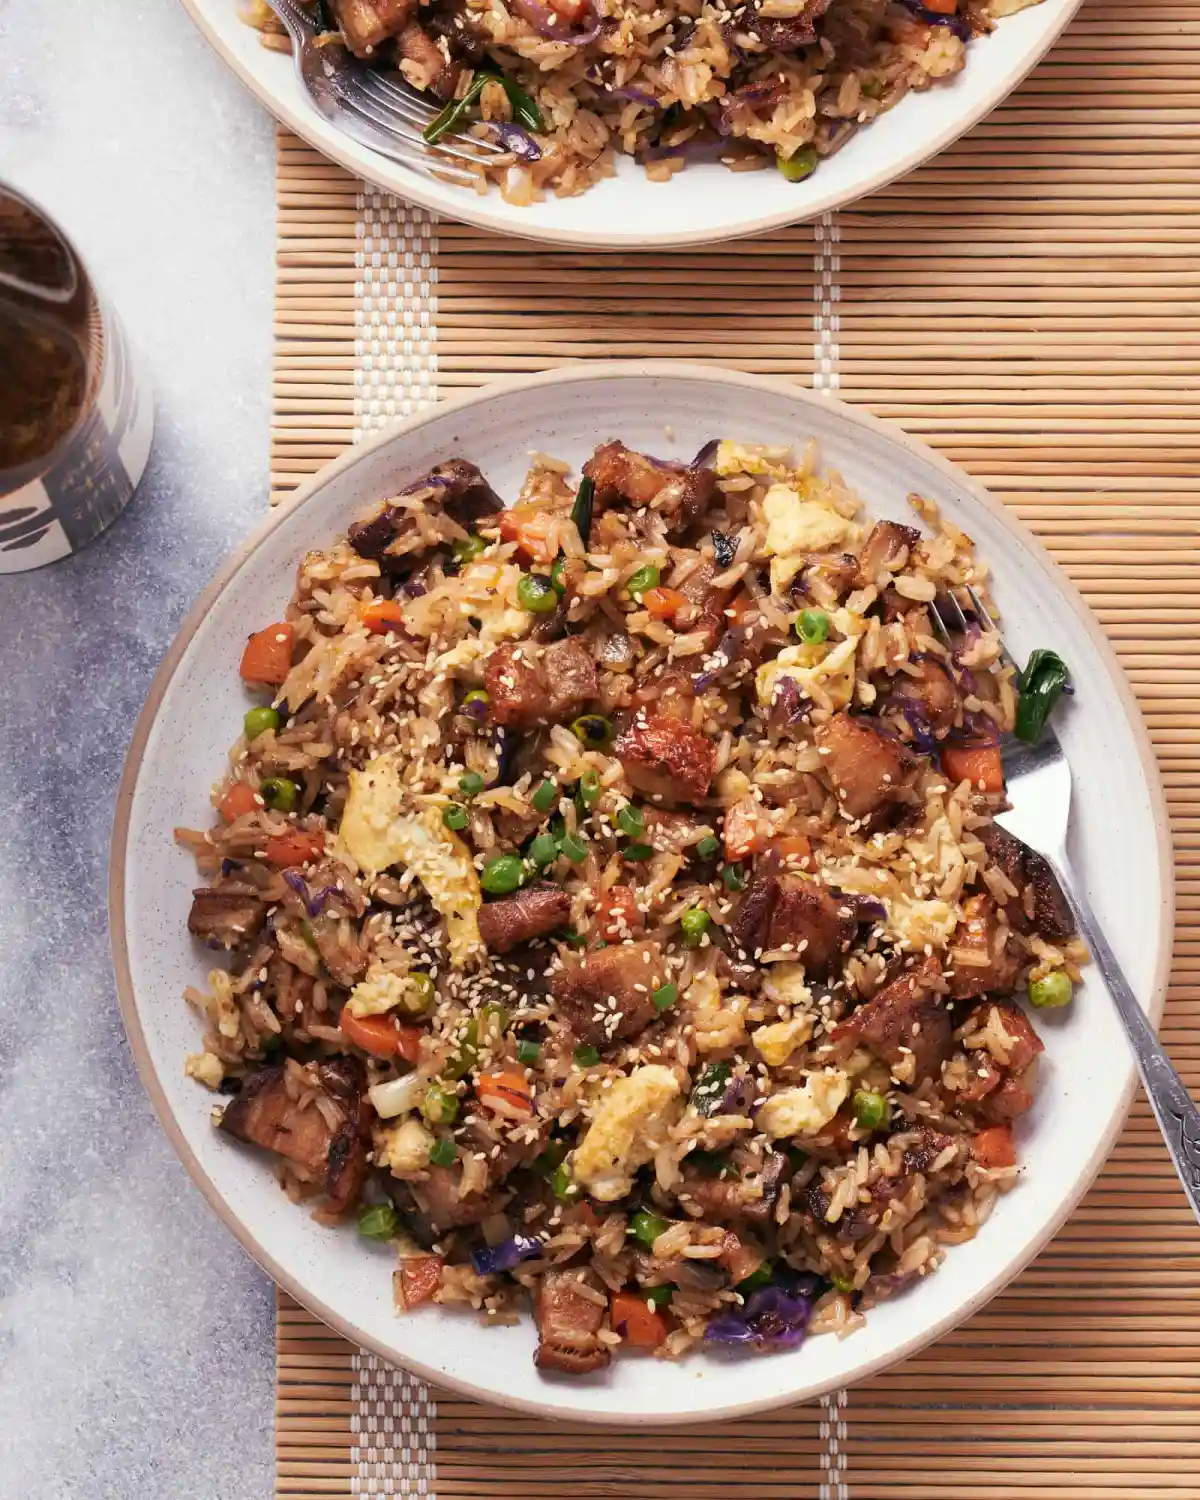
(614, 909)
(566, 85)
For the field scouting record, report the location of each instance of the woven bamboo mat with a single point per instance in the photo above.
(1027, 303)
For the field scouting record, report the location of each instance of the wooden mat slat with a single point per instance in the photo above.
(1027, 303)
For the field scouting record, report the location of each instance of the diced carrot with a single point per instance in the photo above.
(619, 913)
(994, 1147)
(381, 615)
(420, 1277)
(740, 1260)
(745, 828)
(507, 1093)
(267, 658)
(381, 1036)
(293, 848)
(573, 12)
(529, 526)
(978, 764)
(794, 846)
(240, 798)
(636, 1321)
(742, 608)
(942, 7)
(663, 603)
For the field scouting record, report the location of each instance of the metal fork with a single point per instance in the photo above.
(1039, 792)
(382, 112)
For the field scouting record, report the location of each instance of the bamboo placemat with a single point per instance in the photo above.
(1027, 303)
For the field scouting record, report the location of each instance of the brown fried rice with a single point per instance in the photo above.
(613, 904)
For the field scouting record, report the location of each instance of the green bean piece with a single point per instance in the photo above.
(1041, 685)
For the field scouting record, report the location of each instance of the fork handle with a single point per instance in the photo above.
(1173, 1106)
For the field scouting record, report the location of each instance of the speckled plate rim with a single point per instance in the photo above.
(306, 494)
(519, 223)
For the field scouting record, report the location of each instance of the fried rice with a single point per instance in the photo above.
(614, 911)
(565, 86)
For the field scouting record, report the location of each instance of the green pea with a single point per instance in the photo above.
(379, 1222)
(870, 1110)
(812, 626)
(694, 924)
(503, 874)
(665, 997)
(630, 820)
(544, 797)
(637, 851)
(1050, 993)
(734, 878)
(537, 594)
(443, 1153)
(658, 1296)
(575, 848)
(558, 576)
(593, 730)
(543, 850)
(589, 788)
(645, 578)
(259, 720)
(528, 1052)
(439, 1106)
(587, 1057)
(279, 793)
(419, 994)
(646, 1227)
(471, 784)
(707, 847)
(467, 549)
(456, 816)
(798, 166)
(757, 1278)
(561, 1184)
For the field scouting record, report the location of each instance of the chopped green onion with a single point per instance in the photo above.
(1051, 992)
(572, 938)
(1042, 682)
(544, 797)
(528, 1052)
(419, 994)
(546, 1161)
(664, 997)
(637, 851)
(812, 626)
(587, 1057)
(575, 848)
(471, 784)
(734, 878)
(561, 1184)
(630, 820)
(503, 874)
(456, 816)
(694, 924)
(536, 593)
(524, 107)
(589, 788)
(443, 123)
(543, 850)
(870, 1109)
(658, 1296)
(467, 549)
(279, 793)
(645, 578)
(443, 1152)
(558, 575)
(798, 166)
(259, 720)
(581, 511)
(710, 1088)
(439, 1106)
(756, 1278)
(842, 1284)
(646, 1227)
(379, 1222)
(708, 846)
(593, 730)
(712, 1163)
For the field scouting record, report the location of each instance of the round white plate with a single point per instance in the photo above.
(698, 206)
(194, 713)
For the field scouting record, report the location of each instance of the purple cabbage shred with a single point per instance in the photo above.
(517, 140)
(956, 24)
(491, 1260)
(738, 1097)
(774, 1317)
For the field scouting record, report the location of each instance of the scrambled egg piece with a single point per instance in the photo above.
(206, 1068)
(921, 924)
(736, 458)
(380, 990)
(486, 590)
(405, 1147)
(777, 1042)
(804, 1111)
(624, 1131)
(717, 1026)
(827, 667)
(785, 985)
(377, 834)
(797, 525)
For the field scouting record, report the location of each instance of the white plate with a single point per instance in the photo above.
(698, 206)
(194, 713)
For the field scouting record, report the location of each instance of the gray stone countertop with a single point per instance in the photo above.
(135, 1336)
